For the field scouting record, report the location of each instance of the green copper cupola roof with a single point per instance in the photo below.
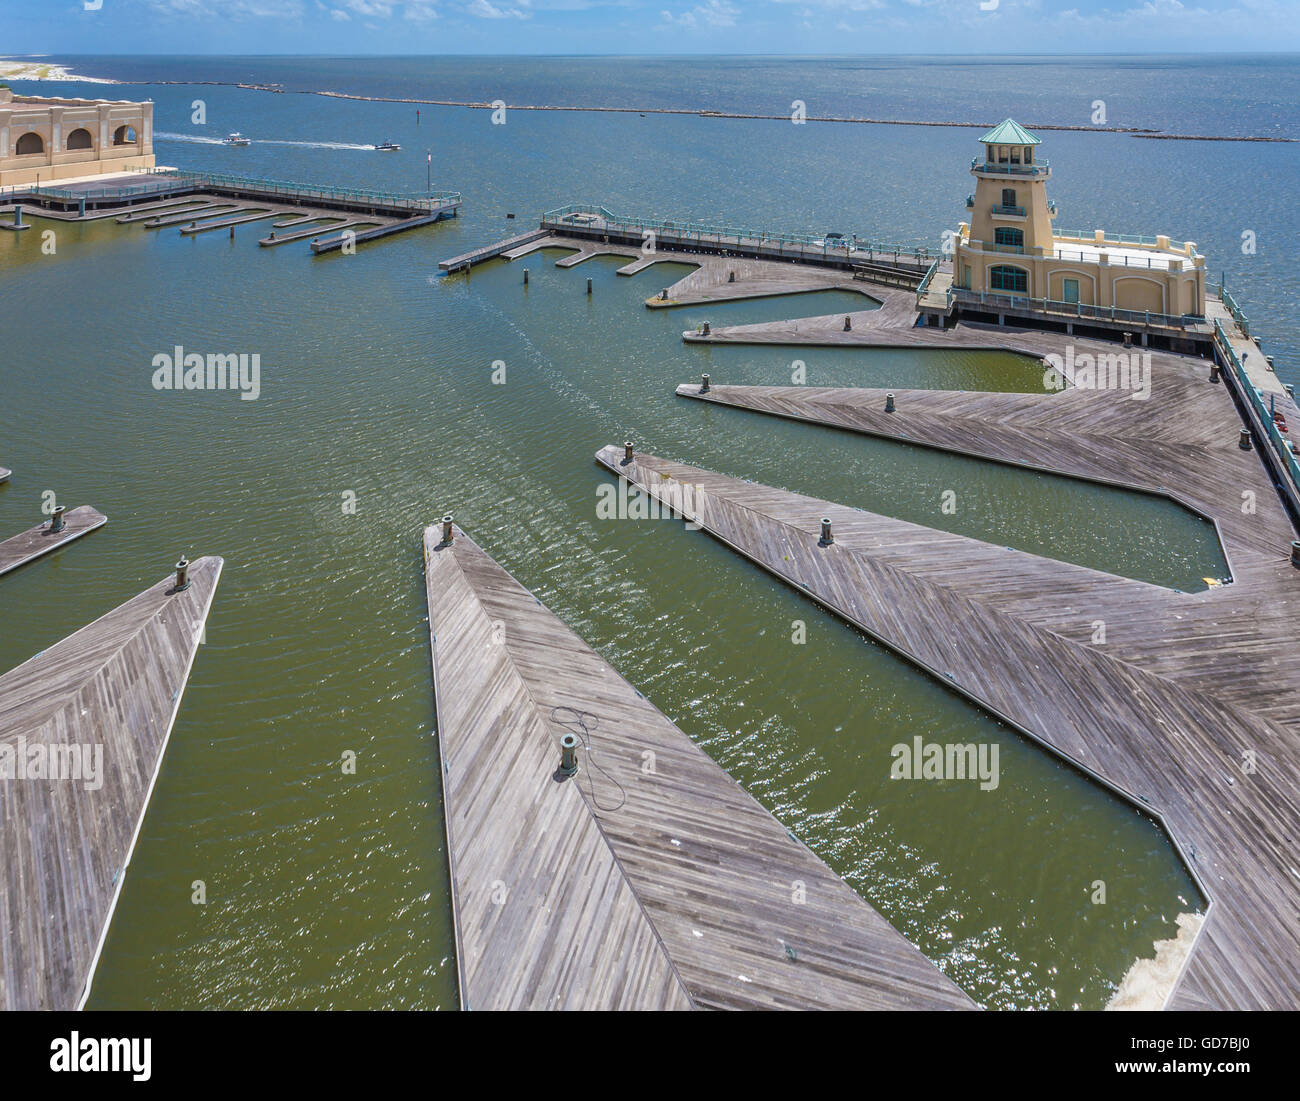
(1009, 132)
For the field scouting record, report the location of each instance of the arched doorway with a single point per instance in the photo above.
(80, 139)
(30, 143)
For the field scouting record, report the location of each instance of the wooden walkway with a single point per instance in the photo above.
(114, 688)
(651, 880)
(1163, 711)
(489, 252)
(35, 542)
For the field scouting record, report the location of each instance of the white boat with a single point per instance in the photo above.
(387, 147)
(236, 139)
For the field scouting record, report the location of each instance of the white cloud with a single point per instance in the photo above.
(484, 9)
(712, 13)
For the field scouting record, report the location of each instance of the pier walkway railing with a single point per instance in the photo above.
(586, 220)
(161, 182)
(1263, 410)
(1243, 322)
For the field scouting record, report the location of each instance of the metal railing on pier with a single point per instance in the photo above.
(1279, 442)
(582, 215)
(1080, 310)
(170, 180)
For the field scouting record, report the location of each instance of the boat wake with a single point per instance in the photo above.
(195, 138)
(199, 139)
(316, 144)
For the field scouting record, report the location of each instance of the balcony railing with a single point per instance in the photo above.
(1089, 238)
(1017, 211)
(1042, 168)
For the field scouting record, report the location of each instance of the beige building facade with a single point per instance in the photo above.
(1009, 247)
(44, 140)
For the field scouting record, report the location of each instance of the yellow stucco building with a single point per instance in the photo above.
(43, 140)
(1009, 256)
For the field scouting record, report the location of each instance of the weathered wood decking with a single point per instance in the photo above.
(31, 544)
(1183, 686)
(651, 880)
(113, 687)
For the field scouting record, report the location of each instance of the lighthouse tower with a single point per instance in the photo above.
(1010, 202)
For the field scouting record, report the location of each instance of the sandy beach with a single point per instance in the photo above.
(38, 68)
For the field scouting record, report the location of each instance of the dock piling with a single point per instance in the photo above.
(1243, 440)
(889, 403)
(827, 537)
(525, 277)
(589, 286)
(1214, 372)
(446, 530)
(704, 384)
(182, 575)
(627, 452)
(56, 519)
(569, 755)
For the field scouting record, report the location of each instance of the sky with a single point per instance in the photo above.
(632, 27)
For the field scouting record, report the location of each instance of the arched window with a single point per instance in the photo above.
(124, 135)
(1007, 235)
(80, 139)
(30, 143)
(1008, 279)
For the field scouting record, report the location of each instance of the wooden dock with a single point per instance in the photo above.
(490, 252)
(1164, 711)
(112, 691)
(650, 880)
(838, 252)
(203, 201)
(40, 540)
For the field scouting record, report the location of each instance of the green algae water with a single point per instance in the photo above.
(330, 890)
